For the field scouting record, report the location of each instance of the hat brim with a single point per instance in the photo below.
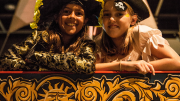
(51, 7)
(139, 7)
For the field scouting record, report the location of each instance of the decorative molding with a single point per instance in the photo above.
(64, 88)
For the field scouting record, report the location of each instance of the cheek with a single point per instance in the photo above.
(62, 19)
(61, 23)
(105, 23)
(125, 20)
(81, 20)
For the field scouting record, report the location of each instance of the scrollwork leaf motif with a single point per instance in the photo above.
(88, 91)
(121, 89)
(158, 91)
(145, 90)
(10, 85)
(125, 95)
(172, 87)
(2, 85)
(23, 90)
(140, 86)
(10, 89)
(95, 89)
(113, 87)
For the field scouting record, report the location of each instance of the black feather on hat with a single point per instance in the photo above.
(51, 7)
(139, 7)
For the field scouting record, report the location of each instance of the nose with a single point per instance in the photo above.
(72, 15)
(112, 19)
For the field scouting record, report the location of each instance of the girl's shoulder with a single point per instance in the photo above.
(88, 42)
(38, 35)
(142, 33)
(144, 38)
(45, 36)
(146, 31)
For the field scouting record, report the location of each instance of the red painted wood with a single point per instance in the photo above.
(42, 72)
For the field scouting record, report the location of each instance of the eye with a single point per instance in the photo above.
(119, 14)
(79, 13)
(66, 11)
(106, 15)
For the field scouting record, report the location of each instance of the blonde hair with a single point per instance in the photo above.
(109, 47)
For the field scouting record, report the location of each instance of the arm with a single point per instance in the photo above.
(154, 45)
(168, 58)
(13, 59)
(141, 66)
(69, 62)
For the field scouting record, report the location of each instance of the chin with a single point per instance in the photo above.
(71, 33)
(112, 32)
(113, 35)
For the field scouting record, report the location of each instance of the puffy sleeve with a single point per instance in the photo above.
(69, 62)
(144, 36)
(14, 58)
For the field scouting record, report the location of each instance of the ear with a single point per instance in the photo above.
(134, 20)
(86, 20)
(56, 18)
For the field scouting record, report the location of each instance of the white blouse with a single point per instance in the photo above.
(143, 36)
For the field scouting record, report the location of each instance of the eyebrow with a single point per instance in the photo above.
(105, 10)
(75, 9)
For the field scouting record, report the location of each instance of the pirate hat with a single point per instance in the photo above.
(138, 6)
(45, 11)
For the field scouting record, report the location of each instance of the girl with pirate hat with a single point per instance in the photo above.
(126, 46)
(59, 41)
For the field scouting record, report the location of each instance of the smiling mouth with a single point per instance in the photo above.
(71, 24)
(113, 26)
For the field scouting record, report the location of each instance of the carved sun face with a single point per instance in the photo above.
(56, 94)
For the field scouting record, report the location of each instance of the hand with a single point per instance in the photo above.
(141, 67)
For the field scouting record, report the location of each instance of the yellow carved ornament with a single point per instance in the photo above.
(37, 14)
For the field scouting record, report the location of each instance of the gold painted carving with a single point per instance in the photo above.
(63, 88)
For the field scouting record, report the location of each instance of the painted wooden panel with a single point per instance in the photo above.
(100, 86)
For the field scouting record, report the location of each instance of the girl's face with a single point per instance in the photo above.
(71, 19)
(115, 22)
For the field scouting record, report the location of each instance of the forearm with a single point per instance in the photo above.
(11, 64)
(113, 66)
(11, 60)
(68, 62)
(168, 58)
(166, 64)
(139, 66)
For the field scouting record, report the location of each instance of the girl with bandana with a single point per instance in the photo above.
(126, 46)
(59, 42)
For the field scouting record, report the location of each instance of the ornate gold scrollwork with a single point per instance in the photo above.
(18, 89)
(61, 87)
